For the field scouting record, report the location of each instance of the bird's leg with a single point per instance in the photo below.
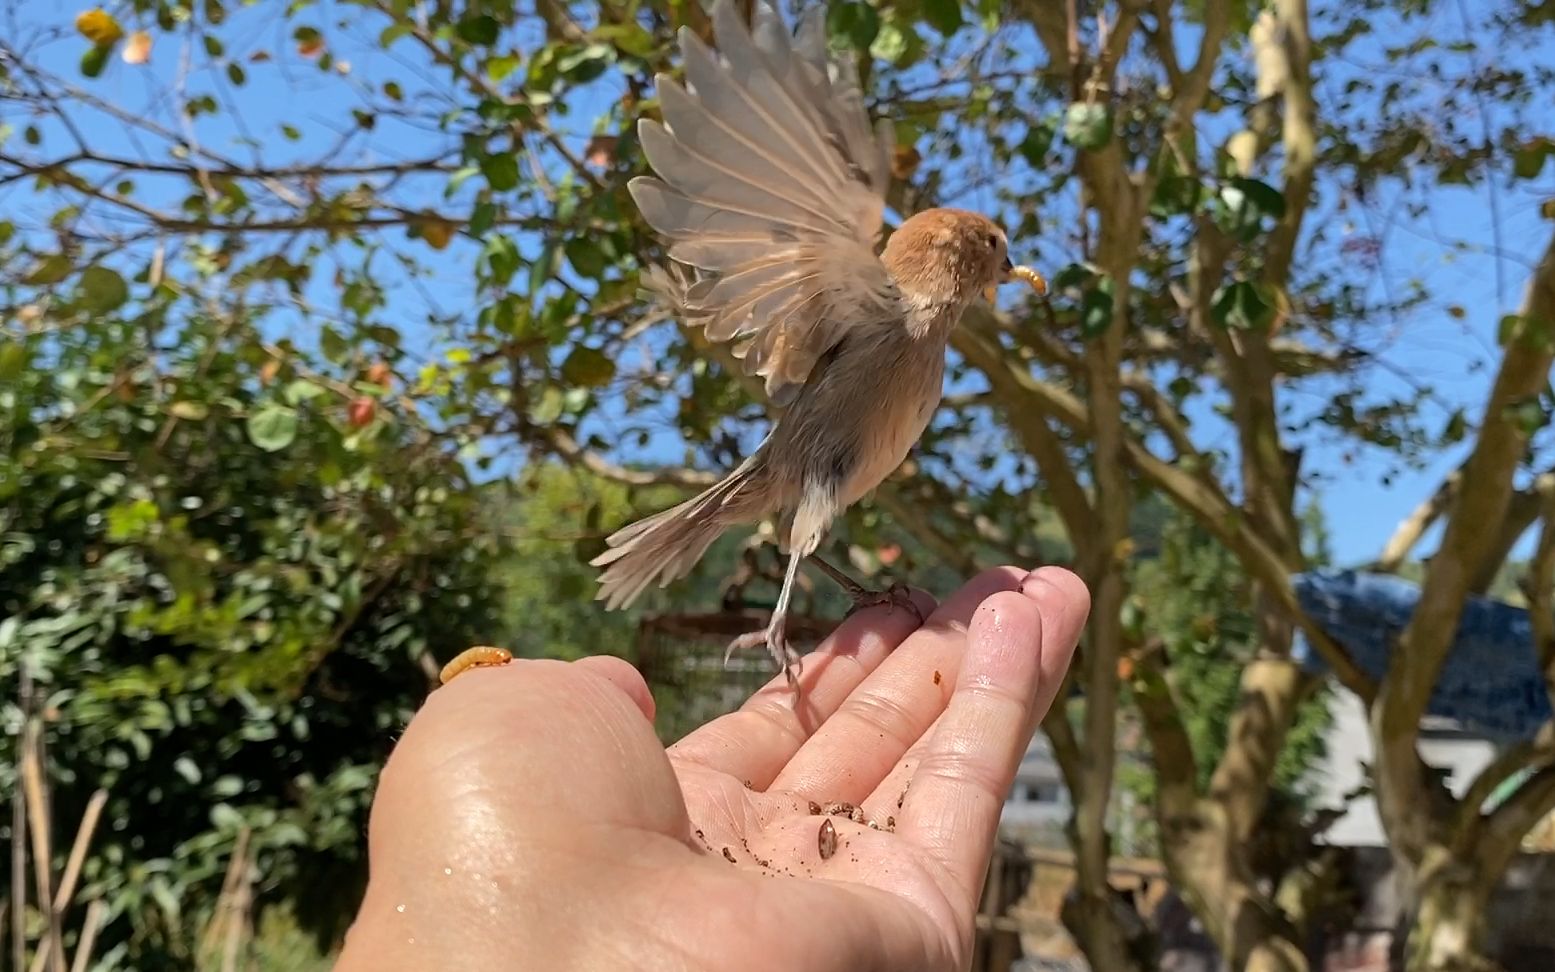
(896, 596)
(775, 636)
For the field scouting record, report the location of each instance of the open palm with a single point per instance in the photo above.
(530, 819)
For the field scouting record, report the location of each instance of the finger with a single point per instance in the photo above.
(499, 742)
(624, 676)
(1063, 626)
(754, 743)
(1017, 648)
(848, 756)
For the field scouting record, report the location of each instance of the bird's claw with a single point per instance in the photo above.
(775, 638)
(898, 595)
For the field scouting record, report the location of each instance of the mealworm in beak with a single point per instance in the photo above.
(1032, 277)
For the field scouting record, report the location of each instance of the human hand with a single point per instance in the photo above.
(530, 819)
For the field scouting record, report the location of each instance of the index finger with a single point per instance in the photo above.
(1018, 646)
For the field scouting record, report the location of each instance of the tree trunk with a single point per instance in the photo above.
(1207, 866)
(1095, 919)
(1448, 933)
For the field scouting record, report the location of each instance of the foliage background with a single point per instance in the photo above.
(323, 358)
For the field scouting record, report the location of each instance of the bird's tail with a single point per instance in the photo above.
(664, 547)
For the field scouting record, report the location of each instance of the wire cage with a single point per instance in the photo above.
(681, 656)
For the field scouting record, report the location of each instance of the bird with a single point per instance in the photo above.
(769, 189)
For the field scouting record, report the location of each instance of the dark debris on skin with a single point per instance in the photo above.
(854, 812)
(729, 855)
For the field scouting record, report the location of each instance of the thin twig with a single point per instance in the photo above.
(42, 854)
(89, 927)
(19, 842)
(67, 882)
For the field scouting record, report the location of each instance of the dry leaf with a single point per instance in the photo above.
(904, 162)
(438, 233)
(99, 27)
(601, 150)
(311, 47)
(138, 49)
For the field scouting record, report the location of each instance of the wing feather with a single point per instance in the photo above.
(770, 181)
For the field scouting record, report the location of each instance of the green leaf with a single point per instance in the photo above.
(188, 409)
(101, 290)
(1457, 427)
(300, 391)
(1175, 195)
(334, 347)
(585, 549)
(235, 74)
(481, 29)
(185, 767)
(943, 15)
(1096, 310)
(540, 271)
(585, 256)
(500, 259)
(94, 59)
(1528, 159)
(857, 23)
(1243, 306)
(1268, 200)
(629, 38)
(1087, 126)
(50, 270)
(273, 427)
(459, 178)
(14, 356)
(548, 408)
(1507, 328)
(584, 64)
(588, 368)
(501, 171)
(499, 67)
(889, 44)
(482, 217)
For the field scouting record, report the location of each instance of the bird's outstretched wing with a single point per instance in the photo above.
(772, 186)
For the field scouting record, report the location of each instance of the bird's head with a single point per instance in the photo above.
(949, 256)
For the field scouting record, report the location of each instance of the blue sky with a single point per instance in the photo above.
(1451, 244)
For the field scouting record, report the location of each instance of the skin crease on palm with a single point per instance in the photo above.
(530, 819)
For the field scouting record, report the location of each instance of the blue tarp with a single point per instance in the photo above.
(1490, 684)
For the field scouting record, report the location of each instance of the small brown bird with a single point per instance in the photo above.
(771, 188)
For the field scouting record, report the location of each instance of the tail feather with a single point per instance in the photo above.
(665, 546)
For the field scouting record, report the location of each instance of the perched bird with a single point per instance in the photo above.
(771, 190)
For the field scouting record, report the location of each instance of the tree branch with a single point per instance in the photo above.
(1171, 751)
(1484, 497)
(1203, 502)
(561, 442)
(1506, 826)
(1415, 525)
(316, 170)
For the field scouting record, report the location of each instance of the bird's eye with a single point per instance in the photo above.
(993, 242)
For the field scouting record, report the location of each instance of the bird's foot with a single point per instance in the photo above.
(898, 595)
(775, 637)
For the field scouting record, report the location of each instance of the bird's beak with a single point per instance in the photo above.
(1010, 272)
